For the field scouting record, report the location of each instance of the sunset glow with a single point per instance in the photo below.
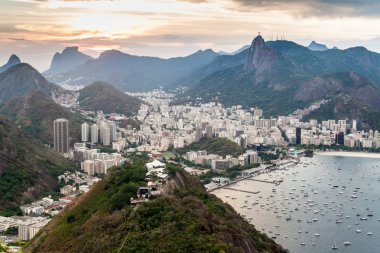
(169, 28)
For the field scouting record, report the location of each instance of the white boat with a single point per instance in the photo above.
(369, 233)
(358, 231)
(334, 246)
(317, 235)
(347, 243)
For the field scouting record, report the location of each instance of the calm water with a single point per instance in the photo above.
(315, 195)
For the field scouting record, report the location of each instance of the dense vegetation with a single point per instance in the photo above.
(218, 146)
(231, 173)
(183, 219)
(268, 156)
(34, 171)
(348, 108)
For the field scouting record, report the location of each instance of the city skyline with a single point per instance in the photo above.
(35, 30)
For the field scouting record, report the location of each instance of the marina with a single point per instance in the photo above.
(323, 204)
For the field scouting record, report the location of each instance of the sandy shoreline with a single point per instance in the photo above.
(349, 154)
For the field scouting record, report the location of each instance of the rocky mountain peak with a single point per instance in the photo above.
(255, 52)
(314, 46)
(13, 60)
(68, 60)
(70, 50)
(260, 58)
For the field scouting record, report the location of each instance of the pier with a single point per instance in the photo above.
(264, 181)
(238, 190)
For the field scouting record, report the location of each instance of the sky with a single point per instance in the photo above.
(36, 29)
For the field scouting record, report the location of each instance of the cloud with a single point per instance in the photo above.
(330, 8)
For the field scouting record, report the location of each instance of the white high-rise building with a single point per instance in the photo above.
(112, 127)
(105, 135)
(85, 132)
(94, 134)
(61, 136)
(354, 124)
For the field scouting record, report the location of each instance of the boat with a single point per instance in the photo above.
(317, 235)
(369, 233)
(363, 218)
(334, 246)
(347, 243)
(288, 218)
(358, 231)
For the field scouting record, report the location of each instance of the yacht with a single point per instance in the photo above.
(347, 243)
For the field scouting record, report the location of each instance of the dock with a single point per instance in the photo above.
(264, 181)
(238, 190)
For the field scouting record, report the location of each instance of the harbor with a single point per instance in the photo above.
(323, 204)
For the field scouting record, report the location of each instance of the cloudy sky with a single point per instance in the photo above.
(36, 29)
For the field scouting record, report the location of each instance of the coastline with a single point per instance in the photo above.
(348, 154)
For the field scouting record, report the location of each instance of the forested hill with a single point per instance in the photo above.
(185, 218)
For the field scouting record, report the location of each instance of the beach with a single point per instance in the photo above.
(348, 154)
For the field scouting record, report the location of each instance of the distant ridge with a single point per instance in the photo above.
(133, 73)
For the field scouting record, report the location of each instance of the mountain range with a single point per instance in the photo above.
(268, 72)
(132, 73)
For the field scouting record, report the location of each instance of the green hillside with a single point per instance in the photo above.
(183, 219)
(103, 96)
(36, 113)
(36, 169)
